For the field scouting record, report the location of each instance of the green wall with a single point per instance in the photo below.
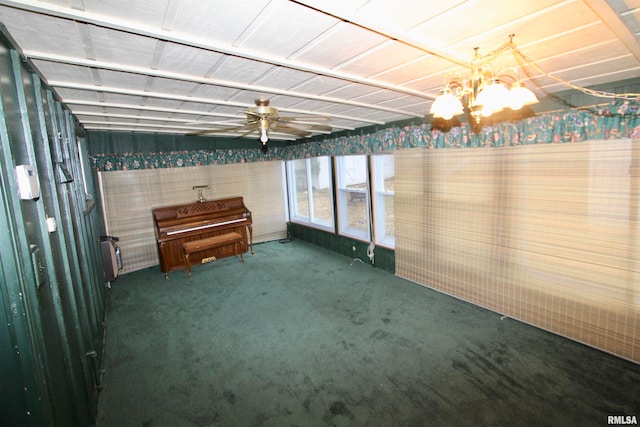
(384, 258)
(52, 292)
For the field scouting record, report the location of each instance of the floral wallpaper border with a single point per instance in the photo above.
(616, 120)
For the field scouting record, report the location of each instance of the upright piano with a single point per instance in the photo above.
(194, 221)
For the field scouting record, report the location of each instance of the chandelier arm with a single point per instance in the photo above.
(455, 80)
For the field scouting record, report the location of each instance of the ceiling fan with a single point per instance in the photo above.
(262, 119)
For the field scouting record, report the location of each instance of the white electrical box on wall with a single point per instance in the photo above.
(28, 182)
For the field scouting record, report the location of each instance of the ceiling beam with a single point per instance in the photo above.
(617, 26)
(507, 27)
(181, 128)
(71, 103)
(80, 113)
(339, 11)
(43, 56)
(197, 42)
(182, 98)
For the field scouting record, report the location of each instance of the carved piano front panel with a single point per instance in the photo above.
(183, 223)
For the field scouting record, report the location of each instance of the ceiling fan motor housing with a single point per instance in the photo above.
(262, 110)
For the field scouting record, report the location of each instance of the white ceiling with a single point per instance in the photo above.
(179, 66)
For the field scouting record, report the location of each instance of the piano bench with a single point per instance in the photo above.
(201, 245)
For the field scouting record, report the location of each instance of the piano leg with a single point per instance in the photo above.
(250, 228)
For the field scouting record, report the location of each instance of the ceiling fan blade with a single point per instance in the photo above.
(263, 116)
(307, 126)
(248, 132)
(213, 131)
(307, 117)
(291, 131)
(322, 128)
(239, 121)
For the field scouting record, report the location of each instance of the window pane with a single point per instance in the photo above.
(388, 224)
(311, 191)
(383, 179)
(353, 172)
(353, 203)
(357, 218)
(300, 196)
(321, 191)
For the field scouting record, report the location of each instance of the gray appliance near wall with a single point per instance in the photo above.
(111, 258)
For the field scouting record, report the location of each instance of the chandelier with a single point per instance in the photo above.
(485, 91)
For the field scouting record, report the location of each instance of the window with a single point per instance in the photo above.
(311, 195)
(353, 197)
(310, 191)
(383, 174)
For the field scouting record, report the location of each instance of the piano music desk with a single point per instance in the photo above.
(211, 243)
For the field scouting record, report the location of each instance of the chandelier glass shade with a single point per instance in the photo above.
(493, 98)
(447, 105)
(521, 96)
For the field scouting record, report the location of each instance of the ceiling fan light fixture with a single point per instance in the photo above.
(264, 137)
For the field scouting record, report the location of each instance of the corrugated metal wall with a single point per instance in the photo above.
(52, 292)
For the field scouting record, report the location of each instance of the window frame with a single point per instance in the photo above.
(310, 219)
(344, 194)
(379, 202)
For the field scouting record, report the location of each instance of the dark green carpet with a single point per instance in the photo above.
(300, 336)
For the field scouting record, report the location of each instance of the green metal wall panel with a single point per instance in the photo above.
(12, 394)
(20, 300)
(357, 249)
(53, 307)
